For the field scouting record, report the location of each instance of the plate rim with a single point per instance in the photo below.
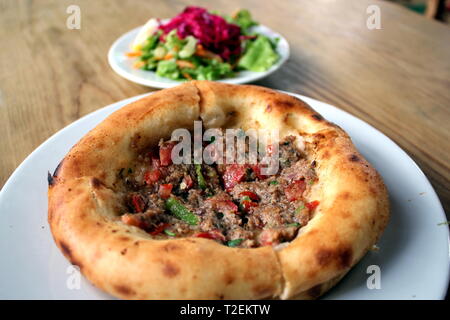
(435, 198)
(163, 85)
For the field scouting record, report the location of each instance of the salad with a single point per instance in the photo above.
(202, 45)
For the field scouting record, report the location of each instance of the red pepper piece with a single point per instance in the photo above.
(257, 170)
(312, 205)
(138, 203)
(249, 194)
(213, 234)
(159, 229)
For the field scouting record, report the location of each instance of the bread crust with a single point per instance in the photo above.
(84, 210)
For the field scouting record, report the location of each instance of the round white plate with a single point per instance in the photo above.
(123, 65)
(414, 251)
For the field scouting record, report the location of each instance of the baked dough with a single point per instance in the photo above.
(125, 261)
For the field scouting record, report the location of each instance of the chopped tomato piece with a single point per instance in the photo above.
(312, 205)
(152, 176)
(257, 170)
(234, 174)
(265, 242)
(295, 190)
(223, 204)
(138, 203)
(188, 182)
(226, 206)
(213, 234)
(159, 229)
(249, 194)
(247, 204)
(165, 190)
(268, 237)
(156, 163)
(132, 220)
(165, 153)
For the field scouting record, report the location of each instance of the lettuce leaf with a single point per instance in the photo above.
(243, 19)
(168, 69)
(259, 55)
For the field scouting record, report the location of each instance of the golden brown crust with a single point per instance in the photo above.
(126, 262)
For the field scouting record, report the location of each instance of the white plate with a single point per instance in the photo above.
(124, 65)
(413, 255)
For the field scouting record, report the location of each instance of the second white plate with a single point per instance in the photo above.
(123, 65)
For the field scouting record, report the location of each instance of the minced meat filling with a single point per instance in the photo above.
(232, 204)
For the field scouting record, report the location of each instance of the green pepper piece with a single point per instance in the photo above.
(300, 208)
(169, 233)
(295, 224)
(235, 242)
(181, 212)
(200, 178)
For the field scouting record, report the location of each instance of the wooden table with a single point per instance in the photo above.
(397, 78)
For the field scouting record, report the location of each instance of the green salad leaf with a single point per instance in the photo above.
(259, 55)
(168, 69)
(209, 69)
(173, 44)
(243, 19)
(152, 41)
(189, 48)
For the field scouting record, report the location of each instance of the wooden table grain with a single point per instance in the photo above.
(396, 78)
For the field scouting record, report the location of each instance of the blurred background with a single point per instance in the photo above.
(433, 9)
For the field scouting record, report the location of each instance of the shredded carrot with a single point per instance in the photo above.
(138, 64)
(199, 50)
(185, 64)
(202, 52)
(133, 54)
(187, 76)
(168, 56)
